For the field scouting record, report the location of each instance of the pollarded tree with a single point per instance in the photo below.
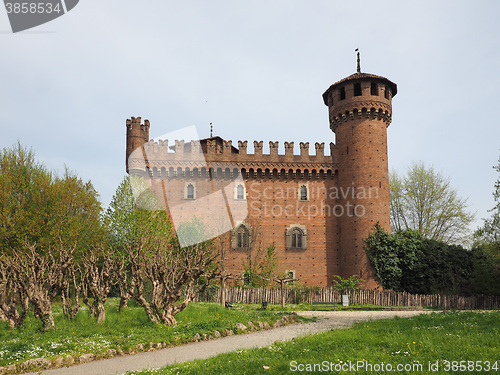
(14, 303)
(40, 277)
(130, 216)
(46, 221)
(98, 276)
(424, 201)
(177, 274)
(149, 253)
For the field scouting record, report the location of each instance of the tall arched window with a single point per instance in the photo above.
(241, 237)
(296, 237)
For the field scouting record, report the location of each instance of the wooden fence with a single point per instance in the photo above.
(374, 297)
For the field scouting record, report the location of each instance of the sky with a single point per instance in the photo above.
(256, 70)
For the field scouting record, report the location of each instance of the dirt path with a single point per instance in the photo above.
(327, 320)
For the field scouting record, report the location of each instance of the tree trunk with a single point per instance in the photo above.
(68, 309)
(124, 301)
(223, 290)
(48, 321)
(283, 295)
(147, 307)
(168, 319)
(43, 311)
(94, 306)
(126, 290)
(167, 316)
(42, 308)
(6, 317)
(10, 314)
(101, 313)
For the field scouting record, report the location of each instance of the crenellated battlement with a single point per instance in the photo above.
(216, 149)
(211, 148)
(178, 155)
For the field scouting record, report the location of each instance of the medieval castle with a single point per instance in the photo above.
(317, 209)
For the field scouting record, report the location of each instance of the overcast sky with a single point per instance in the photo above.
(256, 70)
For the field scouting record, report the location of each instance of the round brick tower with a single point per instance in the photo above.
(360, 110)
(137, 135)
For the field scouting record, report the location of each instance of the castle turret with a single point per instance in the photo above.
(360, 110)
(137, 135)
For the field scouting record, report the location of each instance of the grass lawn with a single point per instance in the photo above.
(121, 330)
(415, 343)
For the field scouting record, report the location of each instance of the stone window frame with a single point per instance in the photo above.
(289, 236)
(299, 191)
(186, 190)
(236, 197)
(241, 229)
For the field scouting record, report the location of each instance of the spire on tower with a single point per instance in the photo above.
(359, 62)
(211, 130)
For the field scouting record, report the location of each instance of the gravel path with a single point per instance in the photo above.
(327, 320)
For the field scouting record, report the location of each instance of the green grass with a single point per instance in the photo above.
(121, 330)
(456, 336)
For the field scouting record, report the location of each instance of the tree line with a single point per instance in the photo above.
(425, 253)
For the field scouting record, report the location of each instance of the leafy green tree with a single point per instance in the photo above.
(260, 266)
(489, 234)
(406, 261)
(487, 247)
(342, 285)
(424, 201)
(39, 207)
(486, 273)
